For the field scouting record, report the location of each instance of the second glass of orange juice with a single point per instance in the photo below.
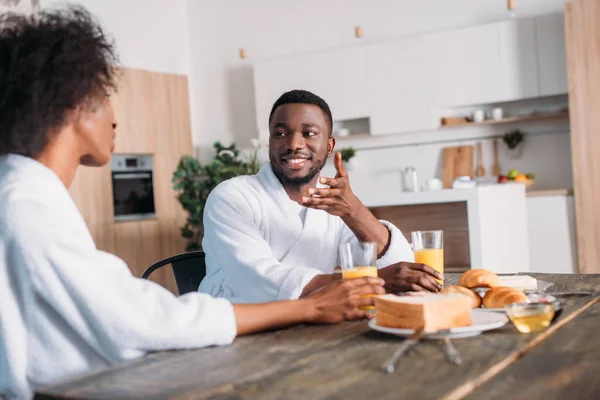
(428, 247)
(357, 260)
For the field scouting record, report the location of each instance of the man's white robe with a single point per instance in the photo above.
(260, 247)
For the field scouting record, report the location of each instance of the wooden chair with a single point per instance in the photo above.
(189, 270)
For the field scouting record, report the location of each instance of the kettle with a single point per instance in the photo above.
(411, 184)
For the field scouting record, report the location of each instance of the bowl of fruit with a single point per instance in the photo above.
(514, 176)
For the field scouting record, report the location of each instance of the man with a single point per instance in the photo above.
(275, 235)
(66, 307)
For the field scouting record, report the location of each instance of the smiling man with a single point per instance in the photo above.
(275, 235)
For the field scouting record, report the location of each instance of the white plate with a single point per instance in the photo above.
(482, 321)
(500, 310)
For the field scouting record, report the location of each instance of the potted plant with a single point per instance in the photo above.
(514, 140)
(194, 182)
(347, 154)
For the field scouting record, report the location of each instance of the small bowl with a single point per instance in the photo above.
(531, 317)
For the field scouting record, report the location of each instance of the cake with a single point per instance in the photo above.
(431, 311)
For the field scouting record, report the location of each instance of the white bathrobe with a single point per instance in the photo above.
(67, 308)
(259, 249)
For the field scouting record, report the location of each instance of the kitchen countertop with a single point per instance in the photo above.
(381, 198)
(549, 192)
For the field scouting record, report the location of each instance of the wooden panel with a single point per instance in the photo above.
(136, 130)
(582, 20)
(152, 111)
(92, 193)
(457, 161)
(449, 217)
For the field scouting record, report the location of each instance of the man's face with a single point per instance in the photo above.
(299, 143)
(96, 129)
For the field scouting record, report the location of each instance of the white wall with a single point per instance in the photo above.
(149, 34)
(222, 92)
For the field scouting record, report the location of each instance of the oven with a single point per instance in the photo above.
(133, 187)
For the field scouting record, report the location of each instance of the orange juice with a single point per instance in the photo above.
(360, 272)
(432, 257)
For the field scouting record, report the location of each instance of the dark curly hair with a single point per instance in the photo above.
(50, 64)
(304, 97)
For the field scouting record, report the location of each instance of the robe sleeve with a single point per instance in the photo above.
(398, 250)
(100, 301)
(233, 237)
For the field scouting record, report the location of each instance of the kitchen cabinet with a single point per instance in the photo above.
(338, 76)
(518, 60)
(405, 85)
(448, 78)
(466, 66)
(551, 226)
(551, 54)
(399, 86)
(483, 64)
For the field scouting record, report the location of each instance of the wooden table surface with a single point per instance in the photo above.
(341, 362)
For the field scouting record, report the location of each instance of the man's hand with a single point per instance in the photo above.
(410, 277)
(338, 199)
(341, 300)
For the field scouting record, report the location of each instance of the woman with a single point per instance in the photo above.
(66, 307)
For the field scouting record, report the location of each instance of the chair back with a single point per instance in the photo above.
(189, 270)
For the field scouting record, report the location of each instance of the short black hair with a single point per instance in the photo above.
(304, 97)
(50, 63)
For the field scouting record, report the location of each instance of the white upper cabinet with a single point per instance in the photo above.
(483, 64)
(551, 52)
(338, 76)
(400, 91)
(448, 67)
(407, 84)
(519, 70)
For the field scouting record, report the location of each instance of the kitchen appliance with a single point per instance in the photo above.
(457, 161)
(411, 183)
(133, 187)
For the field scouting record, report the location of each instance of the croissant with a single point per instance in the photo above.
(475, 297)
(498, 297)
(479, 278)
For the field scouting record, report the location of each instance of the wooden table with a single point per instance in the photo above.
(340, 362)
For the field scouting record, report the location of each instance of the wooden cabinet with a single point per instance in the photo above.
(338, 76)
(518, 61)
(551, 58)
(582, 20)
(152, 112)
(399, 86)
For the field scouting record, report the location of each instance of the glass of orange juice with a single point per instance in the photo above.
(357, 260)
(428, 247)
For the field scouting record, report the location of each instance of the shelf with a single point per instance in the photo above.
(522, 118)
(353, 136)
